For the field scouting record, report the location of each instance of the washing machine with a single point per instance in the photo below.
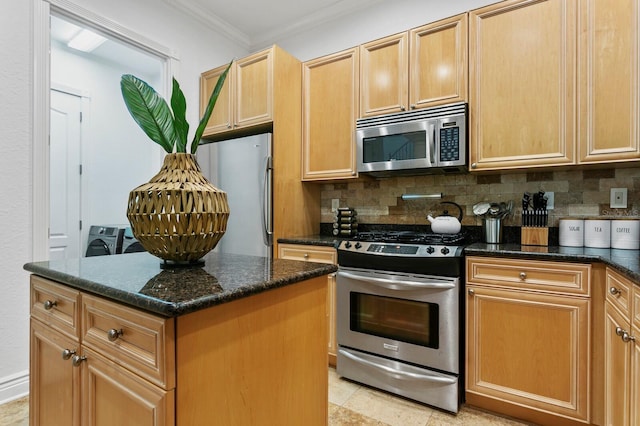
(129, 243)
(103, 240)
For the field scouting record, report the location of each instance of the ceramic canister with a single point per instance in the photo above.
(597, 233)
(571, 232)
(625, 234)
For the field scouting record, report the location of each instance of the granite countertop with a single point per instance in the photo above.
(312, 240)
(137, 279)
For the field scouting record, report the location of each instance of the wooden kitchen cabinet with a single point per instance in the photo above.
(622, 352)
(528, 339)
(423, 67)
(320, 254)
(609, 95)
(73, 384)
(522, 84)
(330, 95)
(256, 94)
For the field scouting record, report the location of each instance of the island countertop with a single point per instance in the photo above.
(138, 280)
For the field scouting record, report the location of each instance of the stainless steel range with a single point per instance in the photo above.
(399, 306)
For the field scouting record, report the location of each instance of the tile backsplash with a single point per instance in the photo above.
(579, 193)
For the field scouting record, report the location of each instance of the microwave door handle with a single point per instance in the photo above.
(398, 373)
(431, 144)
(398, 285)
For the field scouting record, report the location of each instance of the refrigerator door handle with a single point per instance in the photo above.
(267, 222)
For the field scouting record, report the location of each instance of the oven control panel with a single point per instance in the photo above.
(403, 250)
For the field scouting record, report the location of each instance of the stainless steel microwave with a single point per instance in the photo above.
(426, 141)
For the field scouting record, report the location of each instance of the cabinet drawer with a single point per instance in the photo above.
(55, 305)
(545, 276)
(619, 292)
(142, 342)
(307, 253)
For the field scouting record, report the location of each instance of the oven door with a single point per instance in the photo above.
(410, 318)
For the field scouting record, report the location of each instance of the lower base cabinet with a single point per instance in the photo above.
(622, 352)
(528, 339)
(258, 360)
(320, 254)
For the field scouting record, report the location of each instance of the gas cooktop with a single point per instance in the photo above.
(411, 237)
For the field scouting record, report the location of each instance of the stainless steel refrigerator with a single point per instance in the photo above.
(243, 169)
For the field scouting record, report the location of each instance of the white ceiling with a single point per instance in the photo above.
(256, 23)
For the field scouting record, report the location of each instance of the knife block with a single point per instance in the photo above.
(534, 236)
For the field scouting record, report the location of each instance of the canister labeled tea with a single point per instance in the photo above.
(597, 233)
(625, 234)
(571, 232)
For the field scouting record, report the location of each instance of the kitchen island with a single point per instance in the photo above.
(119, 340)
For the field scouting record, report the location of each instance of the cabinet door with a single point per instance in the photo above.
(221, 119)
(114, 396)
(438, 62)
(521, 84)
(617, 369)
(384, 72)
(253, 89)
(54, 384)
(329, 113)
(608, 81)
(529, 350)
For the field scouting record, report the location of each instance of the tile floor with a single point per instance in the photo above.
(349, 405)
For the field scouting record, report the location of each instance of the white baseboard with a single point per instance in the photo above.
(14, 387)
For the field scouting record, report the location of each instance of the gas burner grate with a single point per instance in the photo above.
(411, 237)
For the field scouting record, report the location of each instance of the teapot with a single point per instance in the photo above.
(446, 224)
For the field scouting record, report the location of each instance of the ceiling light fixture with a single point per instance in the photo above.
(86, 41)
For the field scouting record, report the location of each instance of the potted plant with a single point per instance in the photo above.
(178, 216)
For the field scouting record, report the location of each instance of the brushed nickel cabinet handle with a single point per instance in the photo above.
(67, 353)
(523, 276)
(614, 291)
(474, 165)
(49, 304)
(471, 292)
(114, 334)
(77, 360)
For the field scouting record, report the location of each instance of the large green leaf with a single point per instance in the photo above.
(207, 113)
(149, 110)
(179, 107)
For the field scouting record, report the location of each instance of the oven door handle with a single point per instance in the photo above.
(398, 373)
(396, 285)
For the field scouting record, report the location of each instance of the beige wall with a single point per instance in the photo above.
(583, 193)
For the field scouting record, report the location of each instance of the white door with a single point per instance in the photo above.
(64, 160)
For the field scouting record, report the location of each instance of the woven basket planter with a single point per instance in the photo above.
(179, 215)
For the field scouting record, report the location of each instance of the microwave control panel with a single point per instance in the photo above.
(449, 144)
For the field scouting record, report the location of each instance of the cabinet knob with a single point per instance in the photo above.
(114, 334)
(77, 360)
(413, 106)
(624, 335)
(471, 292)
(523, 276)
(49, 304)
(402, 108)
(228, 125)
(67, 353)
(474, 165)
(306, 256)
(614, 291)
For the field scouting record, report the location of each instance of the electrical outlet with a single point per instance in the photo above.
(618, 198)
(335, 204)
(550, 200)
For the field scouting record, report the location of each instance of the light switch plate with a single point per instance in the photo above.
(618, 198)
(551, 200)
(335, 204)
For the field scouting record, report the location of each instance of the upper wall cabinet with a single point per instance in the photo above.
(521, 84)
(424, 67)
(247, 95)
(608, 81)
(329, 113)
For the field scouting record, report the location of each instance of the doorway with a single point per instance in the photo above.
(92, 170)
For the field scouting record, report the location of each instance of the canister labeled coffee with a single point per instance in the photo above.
(625, 234)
